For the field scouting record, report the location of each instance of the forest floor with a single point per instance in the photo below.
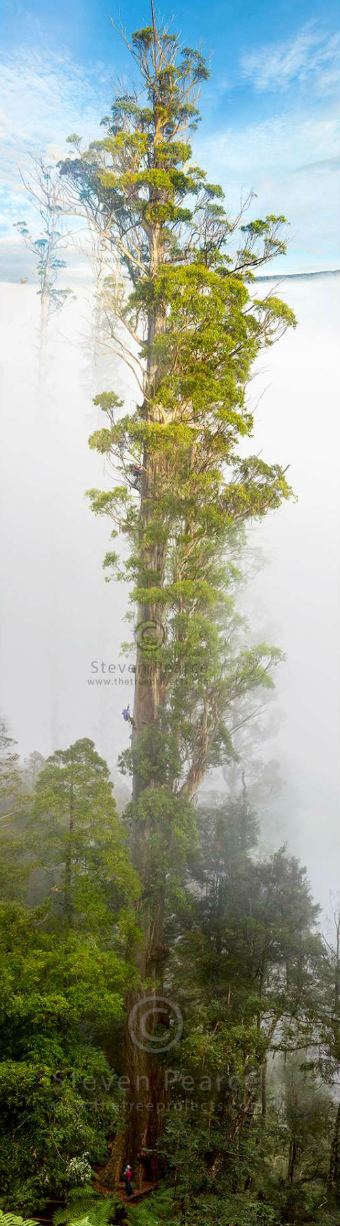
(119, 1190)
(122, 1194)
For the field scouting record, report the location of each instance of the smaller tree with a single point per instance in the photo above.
(13, 810)
(309, 1112)
(32, 767)
(77, 835)
(12, 785)
(85, 198)
(45, 192)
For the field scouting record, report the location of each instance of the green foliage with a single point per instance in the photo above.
(247, 969)
(157, 1209)
(13, 1219)
(14, 803)
(76, 835)
(86, 1208)
(190, 297)
(49, 1119)
(231, 1211)
(64, 973)
(205, 1210)
(58, 1095)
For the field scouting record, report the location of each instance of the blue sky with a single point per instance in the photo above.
(269, 109)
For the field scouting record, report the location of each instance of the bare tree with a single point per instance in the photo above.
(45, 192)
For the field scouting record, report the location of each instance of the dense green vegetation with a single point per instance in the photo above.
(250, 1132)
(64, 969)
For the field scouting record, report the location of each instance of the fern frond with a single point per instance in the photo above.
(76, 1208)
(13, 1219)
(85, 1208)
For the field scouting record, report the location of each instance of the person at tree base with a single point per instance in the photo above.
(127, 1177)
(128, 718)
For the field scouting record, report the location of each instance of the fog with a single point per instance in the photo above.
(59, 616)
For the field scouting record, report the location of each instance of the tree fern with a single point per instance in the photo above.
(86, 1208)
(156, 1211)
(80, 1200)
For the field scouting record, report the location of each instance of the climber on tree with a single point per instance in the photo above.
(136, 473)
(128, 718)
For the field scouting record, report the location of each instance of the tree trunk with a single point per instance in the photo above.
(146, 1086)
(264, 1092)
(68, 865)
(147, 1092)
(291, 1161)
(44, 313)
(334, 1165)
(145, 1077)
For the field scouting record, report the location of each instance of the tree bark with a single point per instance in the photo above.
(68, 865)
(291, 1161)
(264, 1092)
(146, 1077)
(44, 314)
(334, 1165)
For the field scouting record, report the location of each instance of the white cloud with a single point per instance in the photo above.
(309, 57)
(264, 157)
(46, 97)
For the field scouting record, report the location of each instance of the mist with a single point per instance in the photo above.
(62, 625)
